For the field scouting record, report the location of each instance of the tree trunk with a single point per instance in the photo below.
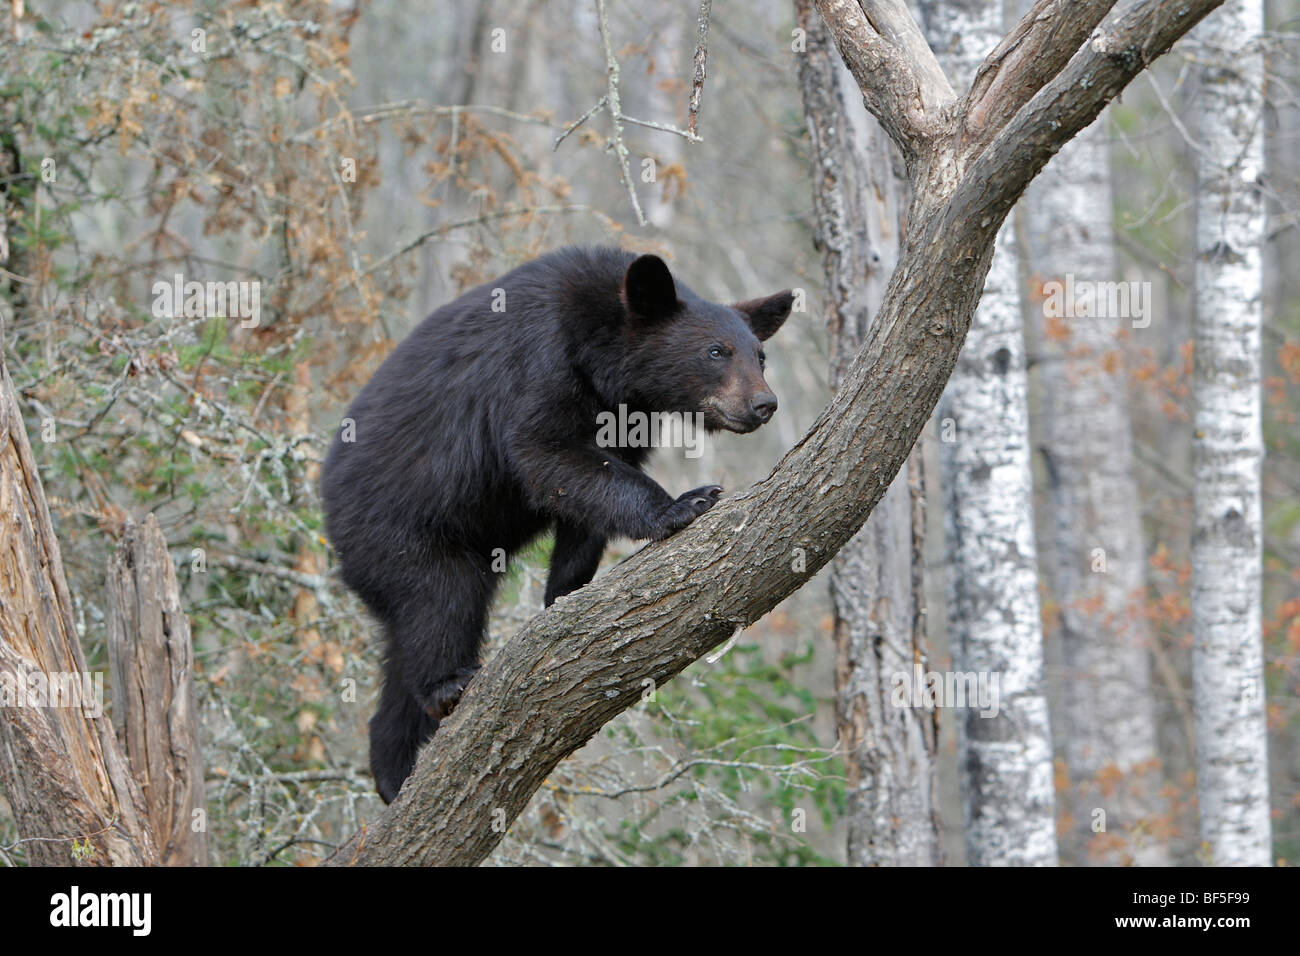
(1096, 553)
(153, 692)
(1227, 651)
(994, 618)
(73, 797)
(877, 580)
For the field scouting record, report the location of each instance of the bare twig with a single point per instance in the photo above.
(665, 128)
(408, 108)
(615, 110)
(578, 122)
(447, 227)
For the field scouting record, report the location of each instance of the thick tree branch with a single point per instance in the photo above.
(1035, 50)
(1122, 47)
(901, 81)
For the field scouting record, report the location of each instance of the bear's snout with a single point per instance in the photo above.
(763, 406)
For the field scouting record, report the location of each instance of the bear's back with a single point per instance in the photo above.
(429, 428)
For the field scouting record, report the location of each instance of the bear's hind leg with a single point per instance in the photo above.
(443, 697)
(434, 639)
(574, 560)
(398, 728)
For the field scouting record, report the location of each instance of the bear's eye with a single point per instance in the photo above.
(717, 352)
(762, 360)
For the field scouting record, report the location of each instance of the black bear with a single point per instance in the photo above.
(480, 432)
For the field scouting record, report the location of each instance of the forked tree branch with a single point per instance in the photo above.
(1035, 50)
(1124, 45)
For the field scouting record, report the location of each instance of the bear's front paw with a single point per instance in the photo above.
(687, 508)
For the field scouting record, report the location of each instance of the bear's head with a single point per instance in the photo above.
(686, 354)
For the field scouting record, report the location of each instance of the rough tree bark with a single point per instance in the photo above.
(994, 618)
(1095, 552)
(80, 793)
(579, 664)
(1227, 650)
(877, 579)
(152, 662)
(69, 784)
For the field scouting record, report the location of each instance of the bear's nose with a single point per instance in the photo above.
(763, 405)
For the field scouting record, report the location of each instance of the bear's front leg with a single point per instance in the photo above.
(592, 488)
(688, 507)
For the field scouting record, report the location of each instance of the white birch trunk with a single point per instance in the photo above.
(994, 616)
(1227, 653)
(877, 584)
(1096, 554)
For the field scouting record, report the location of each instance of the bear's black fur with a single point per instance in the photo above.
(478, 433)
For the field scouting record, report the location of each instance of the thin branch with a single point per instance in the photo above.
(615, 110)
(290, 777)
(1176, 120)
(578, 122)
(447, 227)
(784, 770)
(313, 582)
(664, 128)
(648, 124)
(385, 111)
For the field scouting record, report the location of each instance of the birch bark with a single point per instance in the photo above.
(1096, 557)
(1227, 652)
(994, 617)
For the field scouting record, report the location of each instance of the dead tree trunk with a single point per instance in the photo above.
(81, 793)
(69, 784)
(153, 692)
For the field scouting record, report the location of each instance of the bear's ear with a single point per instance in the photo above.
(648, 290)
(765, 316)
